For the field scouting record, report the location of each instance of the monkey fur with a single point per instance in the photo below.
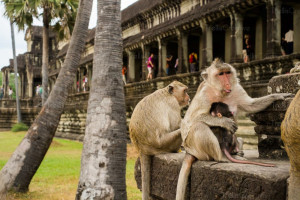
(155, 126)
(228, 142)
(220, 85)
(290, 134)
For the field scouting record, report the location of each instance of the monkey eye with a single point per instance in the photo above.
(221, 73)
(228, 72)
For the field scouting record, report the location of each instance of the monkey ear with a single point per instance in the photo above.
(170, 89)
(204, 75)
(219, 115)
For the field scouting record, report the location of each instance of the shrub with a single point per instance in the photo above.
(19, 127)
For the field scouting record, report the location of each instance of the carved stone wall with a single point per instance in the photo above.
(268, 122)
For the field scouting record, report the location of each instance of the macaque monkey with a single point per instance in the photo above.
(228, 142)
(220, 85)
(155, 126)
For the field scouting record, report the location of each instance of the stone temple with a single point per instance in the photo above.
(208, 28)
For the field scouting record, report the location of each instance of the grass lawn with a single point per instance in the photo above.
(58, 175)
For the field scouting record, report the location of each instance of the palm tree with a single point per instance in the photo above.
(23, 164)
(15, 71)
(103, 160)
(23, 11)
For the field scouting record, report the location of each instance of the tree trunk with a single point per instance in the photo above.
(45, 54)
(290, 134)
(15, 71)
(103, 162)
(23, 164)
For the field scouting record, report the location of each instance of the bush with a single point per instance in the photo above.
(19, 127)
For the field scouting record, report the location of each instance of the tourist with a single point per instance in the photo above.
(168, 66)
(150, 66)
(40, 91)
(37, 90)
(1, 93)
(77, 84)
(10, 93)
(84, 82)
(245, 56)
(249, 48)
(289, 38)
(124, 71)
(176, 65)
(193, 61)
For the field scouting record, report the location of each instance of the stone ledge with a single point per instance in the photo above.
(213, 180)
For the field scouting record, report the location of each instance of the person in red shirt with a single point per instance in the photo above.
(124, 70)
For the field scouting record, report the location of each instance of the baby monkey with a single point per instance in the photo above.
(228, 142)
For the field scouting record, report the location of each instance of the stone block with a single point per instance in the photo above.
(213, 180)
(288, 83)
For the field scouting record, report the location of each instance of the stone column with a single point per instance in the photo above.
(90, 73)
(259, 39)
(19, 85)
(207, 44)
(236, 23)
(131, 66)
(146, 54)
(30, 88)
(296, 28)
(182, 52)
(273, 28)
(30, 83)
(162, 54)
(5, 83)
(80, 79)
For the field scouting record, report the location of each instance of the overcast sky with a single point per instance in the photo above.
(5, 37)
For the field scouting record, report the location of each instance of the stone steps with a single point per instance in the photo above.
(247, 132)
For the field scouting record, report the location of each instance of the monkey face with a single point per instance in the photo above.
(179, 91)
(221, 76)
(224, 78)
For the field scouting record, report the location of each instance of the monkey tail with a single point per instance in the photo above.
(227, 154)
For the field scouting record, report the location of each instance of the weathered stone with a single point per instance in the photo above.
(288, 83)
(269, 121)
(212, 180)
(271, 148)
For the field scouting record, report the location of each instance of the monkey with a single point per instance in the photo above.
(220, 84)
(155, 126)
(290, 130)
(227, 141)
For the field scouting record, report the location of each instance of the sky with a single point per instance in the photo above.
(5, 37)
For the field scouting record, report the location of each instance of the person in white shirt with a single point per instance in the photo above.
(289, 38)
(10, 92)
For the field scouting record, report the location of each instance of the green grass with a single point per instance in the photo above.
(58, 175)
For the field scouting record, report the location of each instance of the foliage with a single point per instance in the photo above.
(58, 175)
(12, 85)
(62, 13)
(0, 79)
(19, 127)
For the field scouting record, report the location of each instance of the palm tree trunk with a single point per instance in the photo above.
(23, 164)
(45, 55)
(15, 71)
(103, 162)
